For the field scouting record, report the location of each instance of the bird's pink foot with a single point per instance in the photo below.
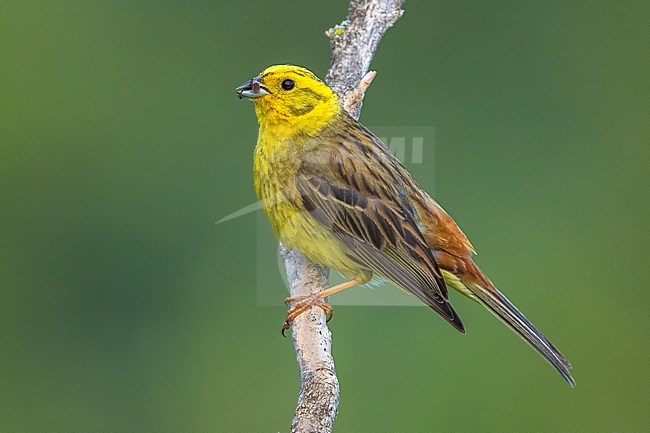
(300, 304)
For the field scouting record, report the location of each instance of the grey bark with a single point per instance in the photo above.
(354, 43)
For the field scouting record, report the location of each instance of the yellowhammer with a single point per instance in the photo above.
(333, 191)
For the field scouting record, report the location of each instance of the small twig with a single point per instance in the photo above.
(353, 45)
(354, 98)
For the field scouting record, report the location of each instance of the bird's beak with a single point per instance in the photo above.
(252, 88)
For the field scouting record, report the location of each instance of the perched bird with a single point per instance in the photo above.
(333, 191)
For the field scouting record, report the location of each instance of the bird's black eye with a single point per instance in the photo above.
(288, 84)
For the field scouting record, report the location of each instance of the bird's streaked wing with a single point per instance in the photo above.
(381, 236)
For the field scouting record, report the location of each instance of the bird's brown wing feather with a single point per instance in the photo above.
(381, 236)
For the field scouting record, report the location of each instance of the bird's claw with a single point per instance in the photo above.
(328, 314)
(286, 325)
(302, 304)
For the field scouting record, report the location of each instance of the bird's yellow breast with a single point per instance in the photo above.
(275, 166)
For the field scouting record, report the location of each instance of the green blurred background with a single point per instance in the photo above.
(124, 308)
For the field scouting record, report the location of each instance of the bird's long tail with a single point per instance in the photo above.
(467, 278)
(501, 307)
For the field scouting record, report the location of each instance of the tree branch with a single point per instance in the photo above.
(354, 43)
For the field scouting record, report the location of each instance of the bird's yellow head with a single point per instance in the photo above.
(290, 101)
